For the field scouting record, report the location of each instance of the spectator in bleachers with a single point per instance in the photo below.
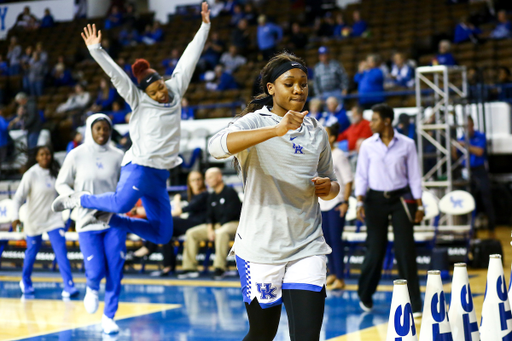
(47, 20)
(129, 17)
(61, 74)
(118, 113)
(153, 34)
(114, 19)
(238, 15)
(25, 18)
(187, 113)
(336, 109)
(444, 57)
(503, 29)
(268, 36)
(406, 126)
(504, 84)
(126, 68)
(331, 79)
(106, 96)
(229, 7)
(212, 51)
(324, 27)
(13, 55)
(29, 118)
(76, 101)
(466, 31)
(216, 8)
(480, 183)
(43, 55)
(370, 80)
(170, 63)
(222, 80)
(240, 37)
(298, 40)
(232, 60)
(402, 74)
(250, 14)
(358, 130)
(36, 73)
(315, 107)
(341, 29)
(129, 36)
(223, 214)
(25, 65)
(359, 26)
(76, 140)
(4, 67)
(6, 124)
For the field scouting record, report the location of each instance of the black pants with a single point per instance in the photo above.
(481, 188)
(305, 310)
(377, 210)
(180, 227)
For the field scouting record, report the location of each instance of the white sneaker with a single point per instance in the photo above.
(26, 290)
(108, 325)
(91, 301)
(67, 202)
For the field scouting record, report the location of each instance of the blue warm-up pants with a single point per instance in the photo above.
(332, 225)
(59, 248)
(104, 253)
(138, 182)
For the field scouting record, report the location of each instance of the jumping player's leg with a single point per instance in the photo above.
(158, 226)
(138, 182)
(128, 191)
(33, 246)
(115, 251)
(61, 253)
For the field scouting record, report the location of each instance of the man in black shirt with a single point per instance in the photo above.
(223, 214)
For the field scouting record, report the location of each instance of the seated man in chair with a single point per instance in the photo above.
(223, 213)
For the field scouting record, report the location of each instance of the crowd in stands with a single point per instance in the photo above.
(254, 37)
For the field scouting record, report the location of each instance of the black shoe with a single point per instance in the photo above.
(218, 274)
(160, 273)
(186, 274)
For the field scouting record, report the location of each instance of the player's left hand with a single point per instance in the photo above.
(322, 186)
(419, 216)
(205, 12)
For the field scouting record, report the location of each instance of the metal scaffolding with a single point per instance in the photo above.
(440, 90)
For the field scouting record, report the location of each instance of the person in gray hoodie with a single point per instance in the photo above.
(95, 167)
(155, 133)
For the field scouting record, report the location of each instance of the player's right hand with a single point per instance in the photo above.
(291, 120)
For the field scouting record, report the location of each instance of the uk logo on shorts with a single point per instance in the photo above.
(266, 290)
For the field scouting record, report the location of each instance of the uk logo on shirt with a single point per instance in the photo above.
(298, 148)
(99, 165)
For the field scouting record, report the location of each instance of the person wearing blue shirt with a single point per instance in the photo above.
(503, 29)
(406, 127)
(444, 57)
(480, 183)
(402, 74)
(466, 31)
(4, 136)
(114, 19)
(47, 20)
(370, 80)
(269, 35)
(337, 110)
(360, 26)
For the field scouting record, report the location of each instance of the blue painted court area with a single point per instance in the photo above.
(205, 313)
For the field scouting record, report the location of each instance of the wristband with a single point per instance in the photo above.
(420, 208)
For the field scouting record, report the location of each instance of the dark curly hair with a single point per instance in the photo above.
(54, 165)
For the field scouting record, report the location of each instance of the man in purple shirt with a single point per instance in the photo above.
(388, 183)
